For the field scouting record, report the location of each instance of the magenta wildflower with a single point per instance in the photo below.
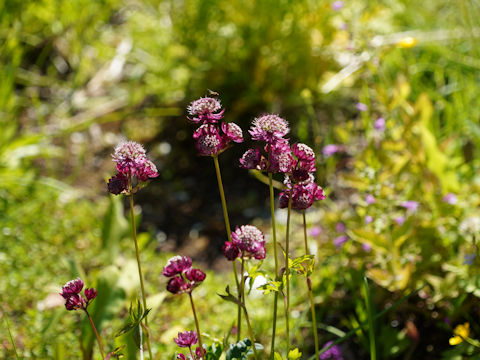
(361, 106)
(303, 195)
(340, 240)
(117, 184)
(337, 5)
(205, 110)
(186, 339)
(269, 128)
(399, 220)
(410, 205)
(176, 285)
(305, 157)
(368, 219)
(450, 198)
(177, 265)
(370, 199)
(366, 247)
(233, 132)
(250, 240)
(181, 357)
(230, 251)
(195, 275)
(330, 149)
(281, 159)
(71, 292)
(379, 124)
(340, 227)
(315, 231)
(209, 142)
(252, 159)
(333, 353)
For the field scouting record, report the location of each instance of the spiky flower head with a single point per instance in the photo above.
(73, 287)
(250, 240)
(186, 339)
(73, 299)
(305, 157)
(177, 265)
(269, 128)
(204, 110)
(232, 132)
(184, 278)
(209, 142)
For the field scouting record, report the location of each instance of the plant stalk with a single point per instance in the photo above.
(242, 299)
(287, 273)
(229, 236)
(140, 275)
(274, 236)
(197, 325)
(310, 292)
(100, 346)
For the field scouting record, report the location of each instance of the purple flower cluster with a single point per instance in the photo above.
(210, 138)
(334, 353)
(184, 278)
(270, 129)
(71, 293)
(247, 241)
(131, 162)
(299, 181)
(186, 339)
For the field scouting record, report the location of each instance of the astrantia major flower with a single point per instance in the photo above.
(186, 339)
(205, 110)
(249, 240)
(184, 278)
(71, 292)
(269, 128)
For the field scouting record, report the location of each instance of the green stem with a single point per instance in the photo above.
(229, 236)
(11, 337)
(100, 346)
(371, 329)
(287, 272)
(242, 288)
(310, 292)
(140, 275)
(196, 324)
(274, 236)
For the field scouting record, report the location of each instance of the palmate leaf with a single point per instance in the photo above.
(231, 298)
(136, 316)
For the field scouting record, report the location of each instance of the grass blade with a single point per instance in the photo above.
(371, 328)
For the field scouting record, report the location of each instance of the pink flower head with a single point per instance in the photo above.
(303, 195)
(340, 240)
(361, 106)
(370, 199)
(195, 275)
(450, 198)
(281, 159)
(230, 251)
(250, 239)
(90, 294)
(269, 128)
(379, 124)
(181, 357)
(368, 219)
(252, 159)
(177, 285)
(329, 150)
(148, 170)
(75, 302)
(410, 205)
(73, 287)
(315, 231)
(337, 5)
(233, 132)
(399, 220)
(205, 110)
(305, 156)
(209, 142)
(177, 265)
(340, 227)
(117, 184)
(186, 339)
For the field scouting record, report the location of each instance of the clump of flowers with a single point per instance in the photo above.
(247, 241)
(333, 353)
(188, 339)
(133, 168)
(212, 137)
(73, 299)
(184, 278)
(460, 333)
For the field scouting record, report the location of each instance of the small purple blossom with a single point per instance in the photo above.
(340, 240)
(410, 205)
(195, 275)
(186, 339)
(340, 227)
(73, 287)
(181, 357)
(366, 247)
(334, 353)
(315, 231)
(252, 159)
(281, 159)
(370, 199)
(250, 240)
(399, 220)
(90, 294)
(177, 265)
(177, 285)
(379, 124)
(329, 150)
(368, 219)
(469, 259)
(73, 299)
(230, 251)
(117, 184)
(269, 128)
(450, 198)
(75, 302)
(361, 106)
(337, 5)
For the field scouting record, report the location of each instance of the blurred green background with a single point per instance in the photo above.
(79, 76)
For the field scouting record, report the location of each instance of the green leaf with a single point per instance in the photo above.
(277, 356)
(294, 354)
(231, 298)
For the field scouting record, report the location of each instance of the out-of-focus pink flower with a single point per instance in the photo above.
(379, 124)
(90, 294)
(410, 205)
(195, 275)
(370, 199)
(186, 339)
(340, 227)
(399, 220)
(340, 240)
(230, 251)
(368, 219)
(74, 302)
(181, 357)
(361, 106)
(337, 5)
(269, 128)
(177, 265)
(329, 150)
(315, 231)
(333, 353)
(366, 247)
(450, 198)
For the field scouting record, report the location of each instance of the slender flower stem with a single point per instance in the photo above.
(274, 236)
(191, 353)
(287, 273)
(140, 275)
(100, 346)
(196, 324)
(310, 292)
(229, 236)
(242, 287)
